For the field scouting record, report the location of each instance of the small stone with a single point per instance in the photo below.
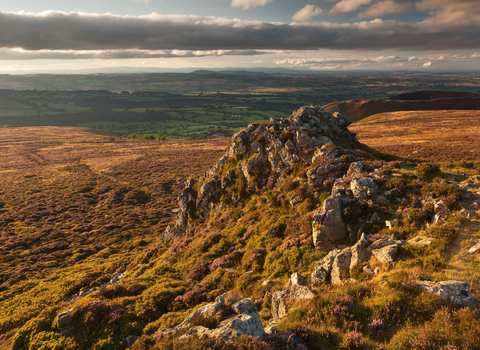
(130, 340)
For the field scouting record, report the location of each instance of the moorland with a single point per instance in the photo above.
(299, 233)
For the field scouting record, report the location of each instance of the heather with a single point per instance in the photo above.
(248, 239)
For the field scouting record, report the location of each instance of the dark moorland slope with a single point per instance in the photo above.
(426, 100)
(299, 237)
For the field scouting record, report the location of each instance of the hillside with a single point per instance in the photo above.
(298, 237)
(435, 136)
(427, 100)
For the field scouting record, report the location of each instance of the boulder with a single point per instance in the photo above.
(64, 321)
(341, 266)
(322, 269)
(475, 249)
(361, 252)
(363, 188)
(338, 265)
(241, 319)
(386, 255)
(456, 291)
(328, 226)
(130, 340)
(297, 288)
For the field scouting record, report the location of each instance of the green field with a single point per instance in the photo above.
(198, 104)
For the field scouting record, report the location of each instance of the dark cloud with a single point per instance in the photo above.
(12, 54)
(79, 31)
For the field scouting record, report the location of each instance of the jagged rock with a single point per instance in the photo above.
(187, 209)
(322, 269)
(475, 249)
(279, 306)
(356, 169)
(363, 188)
(341, 266)
(242, 319)
(297, 289)
(390, 224)
(456, 291)
(386, 254)
(338, 265)
(130, 340)
(307, 134)
(361, 252)
(64, 321)
(328, 229)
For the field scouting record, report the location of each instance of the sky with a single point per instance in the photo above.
(64, 36)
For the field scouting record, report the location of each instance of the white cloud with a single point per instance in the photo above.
(348, 6)
(382, 8)
(428, 64)
(450, 11)
(306, 13)
(248, 4)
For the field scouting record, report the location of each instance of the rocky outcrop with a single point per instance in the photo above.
(268, 148)
(340, 265)
(296, 289)
(234, 316)
(64, 322)
(328, 226)
(187, 210)
(455, 291)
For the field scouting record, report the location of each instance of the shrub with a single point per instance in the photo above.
(426, 170)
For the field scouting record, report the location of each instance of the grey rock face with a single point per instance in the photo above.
(341, 266)
(363, 188)
(130, 340)
(244, 319)
(338, 265)
(321, 271)
(456, 291)
(297, 289)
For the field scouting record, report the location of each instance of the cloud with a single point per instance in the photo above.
(382, 8)
(14, 54)
(450, 11)
(348, 6)
(248, 4)
(76, 31)
(306, 13)
(372, 62)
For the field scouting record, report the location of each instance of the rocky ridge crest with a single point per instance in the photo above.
(262, 153)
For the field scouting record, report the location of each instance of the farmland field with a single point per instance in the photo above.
(194, 105)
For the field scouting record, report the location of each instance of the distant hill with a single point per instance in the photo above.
(426, 100)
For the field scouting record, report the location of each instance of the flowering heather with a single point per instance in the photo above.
(193, 297)
(342, 306)
(198, 272)
(353, 340)
(180, 245)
